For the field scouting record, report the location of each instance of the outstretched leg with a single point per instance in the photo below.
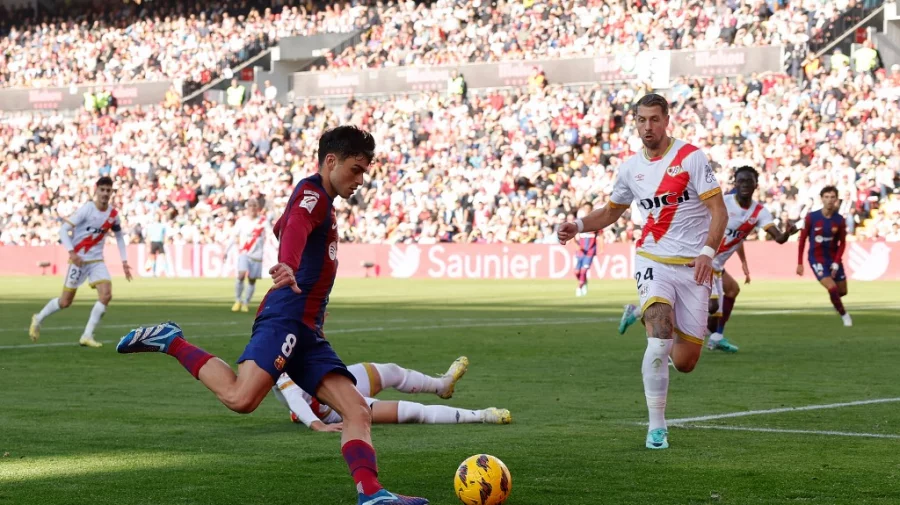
(409, 412)
(241, 392)
(393, 376)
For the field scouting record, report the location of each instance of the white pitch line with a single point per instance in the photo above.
(779, 430)
(250, 322)
(491, 323)
(781, 410)
(69, 328)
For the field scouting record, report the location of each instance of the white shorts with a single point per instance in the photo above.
(94, 271)
(674, 285)
(251, 266)
(717, 292)
(366, 377)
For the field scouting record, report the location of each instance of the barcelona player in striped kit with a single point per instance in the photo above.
(587, 250)
(288, 332)
(88, 228)
(826, 232)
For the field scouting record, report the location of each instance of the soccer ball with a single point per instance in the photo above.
(482, 480)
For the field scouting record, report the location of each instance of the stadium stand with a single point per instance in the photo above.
(502, 166)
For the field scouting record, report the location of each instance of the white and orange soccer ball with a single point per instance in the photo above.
(482, 480)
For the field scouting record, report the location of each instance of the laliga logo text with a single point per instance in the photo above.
(869, 265)
(404, 264)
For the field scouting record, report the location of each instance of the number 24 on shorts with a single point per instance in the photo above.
(642, 286)
(648, 276)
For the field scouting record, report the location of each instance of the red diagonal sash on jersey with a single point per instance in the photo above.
(670, 185)
(92, 240)
(257, 232)
(744, 228)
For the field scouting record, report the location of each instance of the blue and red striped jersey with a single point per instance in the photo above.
(587, 244)
(827, 237)
(308, 241)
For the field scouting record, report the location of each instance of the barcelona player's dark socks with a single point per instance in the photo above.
(836, 300)
(712, 324)
(727, 306)
(360, 457)
(191, 357)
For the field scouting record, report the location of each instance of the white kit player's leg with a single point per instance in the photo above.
(655, 370)
(99, 277)
(49, 309)
(248, 293)
(410, 412)
(238, 289)
(75, 276)
(96, 314)
(657, 292)
(408, 381)
(412, 381)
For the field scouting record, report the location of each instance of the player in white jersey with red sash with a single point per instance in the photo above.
(88, 227)
(685, 217)
(744, 215)
(250, 232)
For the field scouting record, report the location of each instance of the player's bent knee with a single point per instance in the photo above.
(685, 366)
(105, 299)
(357, 413)
(242, 404)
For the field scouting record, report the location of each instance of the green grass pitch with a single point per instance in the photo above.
(89, 426)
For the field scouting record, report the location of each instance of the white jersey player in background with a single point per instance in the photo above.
(88, 227)
(744, 216)
(250, 237)
(685, 217)
(371, 379)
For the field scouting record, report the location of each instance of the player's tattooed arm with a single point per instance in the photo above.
(658, 320)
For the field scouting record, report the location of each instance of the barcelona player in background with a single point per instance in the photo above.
(587, 244)
(827, 233)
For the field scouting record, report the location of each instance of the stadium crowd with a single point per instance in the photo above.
(502, 166)
(196, 41)
(451, 32)
(190, 42)
(498, 166)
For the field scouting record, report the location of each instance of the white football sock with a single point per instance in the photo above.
(655, 370)
(408, 381)
(248, 294)
(51, 307)
(96, 313)
(409, 412)
(238, 289)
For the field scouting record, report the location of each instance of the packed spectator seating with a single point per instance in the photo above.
(449, 32)
(503, 166)
(192, 42)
